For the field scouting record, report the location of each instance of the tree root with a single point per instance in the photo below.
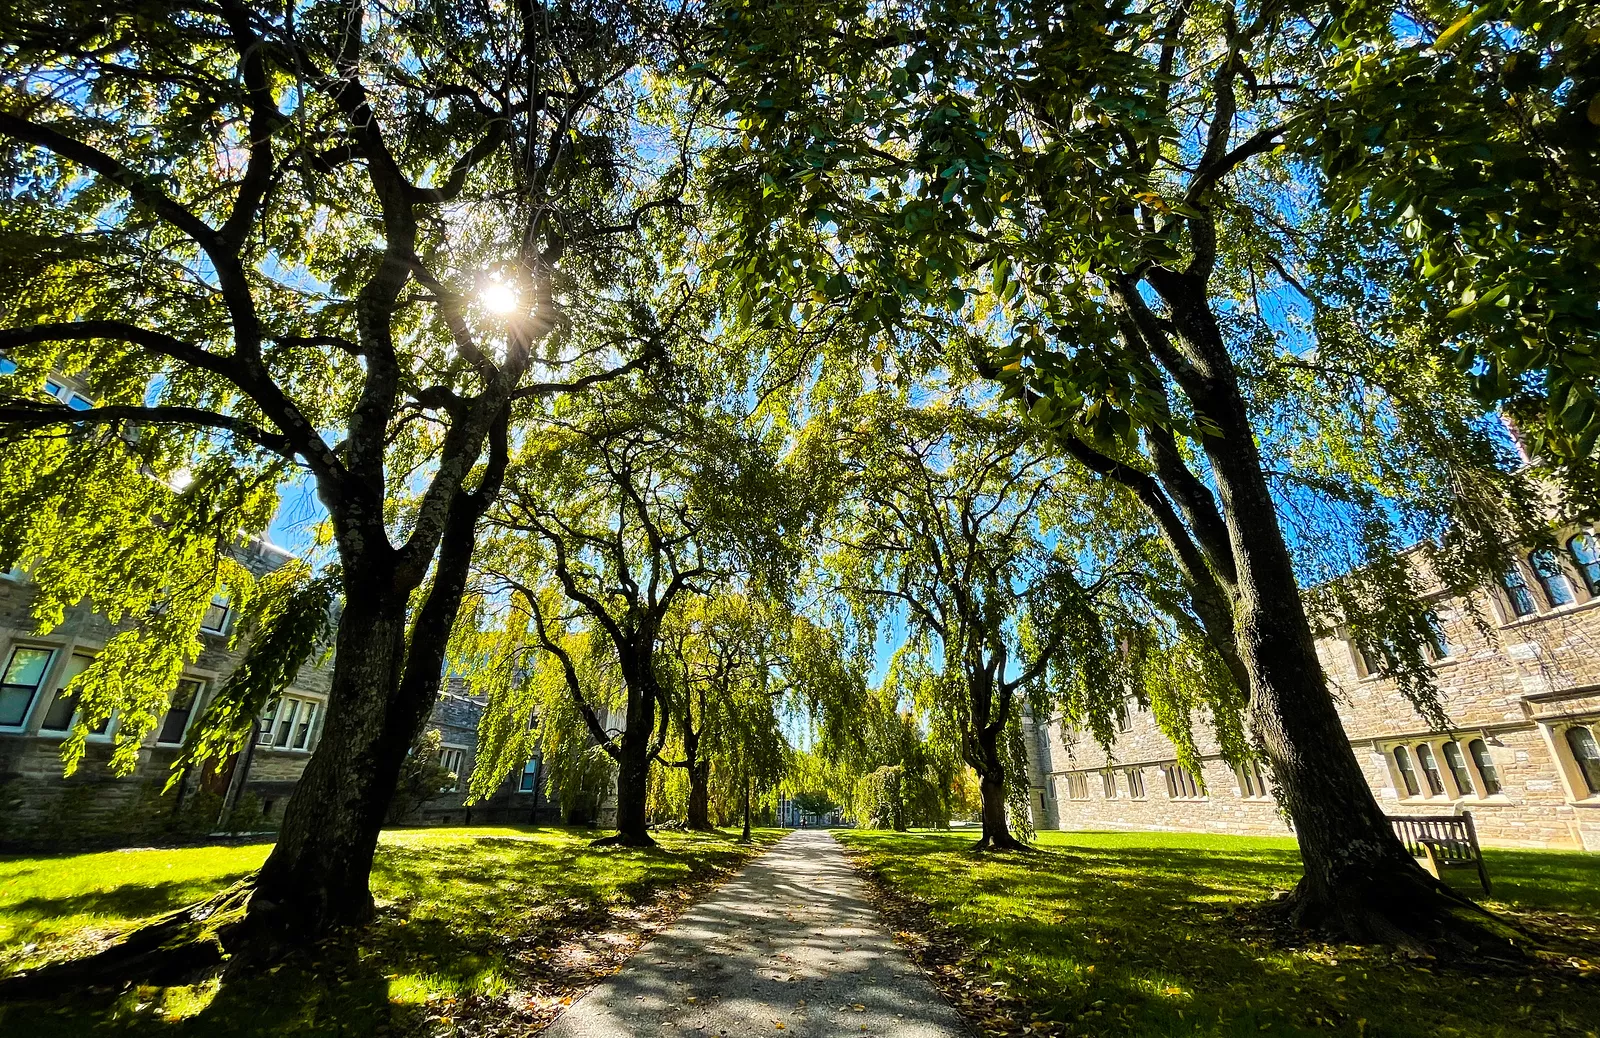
(624, 840)
(1418, 915)
(1002, 842)
(181, 947)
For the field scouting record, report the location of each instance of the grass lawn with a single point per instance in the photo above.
(1143, 934)
(477, 929)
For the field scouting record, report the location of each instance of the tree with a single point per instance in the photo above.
(718, 647)
(1467, 131)
(946, 518)
(813, 802)
(1108, 168)
(619, 509)
(331, 238)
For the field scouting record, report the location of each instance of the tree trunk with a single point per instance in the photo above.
(1358, 877)
(699, 795)
(317, 875)
(992, 788)
(745, 836)
(633, 757)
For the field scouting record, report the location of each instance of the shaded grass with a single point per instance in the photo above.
(466, 918)
(1149, 934)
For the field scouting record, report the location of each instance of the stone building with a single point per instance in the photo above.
(1518, 667)
(521, 799)
(40, 806)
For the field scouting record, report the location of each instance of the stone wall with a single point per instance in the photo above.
(1513, 685)
(42, 807)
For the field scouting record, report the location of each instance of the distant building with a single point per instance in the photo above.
(1522, 754)
(40, 805)
(521, 799)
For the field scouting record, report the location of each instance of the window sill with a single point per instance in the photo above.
(1547, 614)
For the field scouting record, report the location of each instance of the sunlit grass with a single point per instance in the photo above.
(1138, 934)
(456, 906)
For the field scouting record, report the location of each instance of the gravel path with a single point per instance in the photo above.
(791, 946)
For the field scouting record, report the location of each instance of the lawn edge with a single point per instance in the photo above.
(939, 951)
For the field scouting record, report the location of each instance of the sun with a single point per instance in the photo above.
(498, 297)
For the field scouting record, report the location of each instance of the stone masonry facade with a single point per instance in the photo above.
(1518, 668)
(40, 806)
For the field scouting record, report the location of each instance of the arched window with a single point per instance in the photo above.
(1557, 588)
(1430, 770)
(1585, 751)
(1517, 593)
(1402, 761)
(1486, 769)
(1458, 768)
(1586, 556)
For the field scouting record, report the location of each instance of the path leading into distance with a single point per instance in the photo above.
(789, 947)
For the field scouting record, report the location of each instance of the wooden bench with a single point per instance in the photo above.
(1442, 842)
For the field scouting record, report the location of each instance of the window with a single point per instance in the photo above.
(1252, 783)
(1369, 666)
(1517, 594)
(1430, 770)
(1586, 556)
(65, 705)
(1458, 769)
(178, 714)
(530, 775)
(1181, 783)
(1557, 589)
(451, 759)
(218, 613)
(1438, 645)
(1077, 786)
(289, 723)
(1586, 754)
(76, 401)
(1124, 716)
(19, 683)
(1108, 783)
(1402, 763)
(1486, 768)
(1135, 777)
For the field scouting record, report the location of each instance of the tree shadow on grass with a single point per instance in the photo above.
(1154, 941)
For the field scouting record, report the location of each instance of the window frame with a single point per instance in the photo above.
(1108, 783)
(1591, 730)
(1400, 757)
(1515, 592)
(1428, 765)
(1458, 767)
(1183, 784)
(1252, 781)
(1588, 572)
(1135, 780)
(1077, 785)
(46, 673)
(1552, 578)
(267, 736)
(220, 599)
(1489, 782)
(200, 686)
(459, 771)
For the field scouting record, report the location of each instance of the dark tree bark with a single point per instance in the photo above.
(991, 771)
(1358, 877)
(745, 837)
(699, 814)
